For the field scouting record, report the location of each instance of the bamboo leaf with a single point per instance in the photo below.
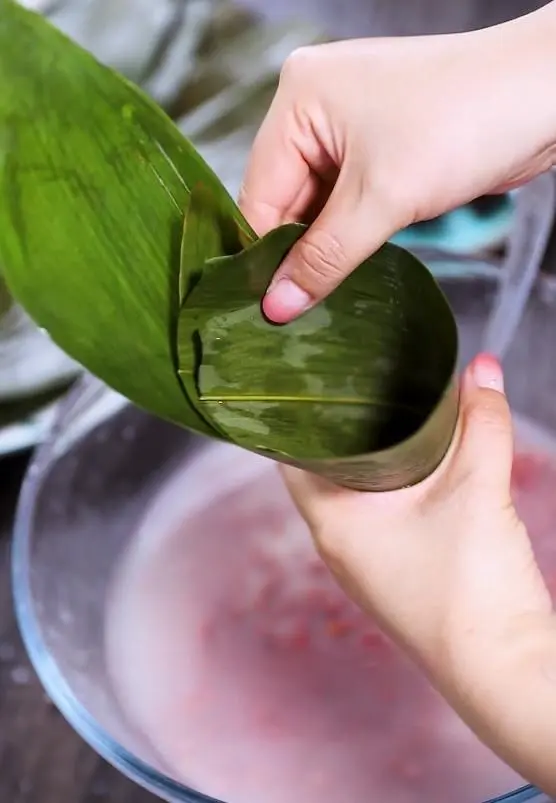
(205, 236)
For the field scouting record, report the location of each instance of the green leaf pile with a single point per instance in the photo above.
(119, 240)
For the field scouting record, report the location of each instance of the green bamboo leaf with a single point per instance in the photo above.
(354, 389)
(94, 182)
(204, 238)
(207, 234)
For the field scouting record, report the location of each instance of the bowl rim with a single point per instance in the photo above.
(46, 668)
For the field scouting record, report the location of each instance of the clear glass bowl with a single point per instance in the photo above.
(89, 486)
(83, 498)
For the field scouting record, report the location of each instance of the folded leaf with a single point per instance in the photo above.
(353, 379)
(121, 242)
(204, 237)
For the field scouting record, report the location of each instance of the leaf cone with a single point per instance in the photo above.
(122, 243)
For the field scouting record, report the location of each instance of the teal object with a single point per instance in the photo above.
(466, 230)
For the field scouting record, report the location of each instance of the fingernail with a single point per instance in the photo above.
(285, 300)
(487, 373)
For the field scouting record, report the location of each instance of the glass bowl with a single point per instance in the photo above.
(85, 495)
(96, 480)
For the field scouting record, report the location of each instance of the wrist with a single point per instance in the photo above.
(506, 695)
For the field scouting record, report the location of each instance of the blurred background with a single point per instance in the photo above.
(213, 65)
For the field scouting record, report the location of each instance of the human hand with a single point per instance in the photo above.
(365, 137)
(447, 569)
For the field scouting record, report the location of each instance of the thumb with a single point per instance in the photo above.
(352, 225)
(485, 453)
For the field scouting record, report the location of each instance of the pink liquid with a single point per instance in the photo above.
(256, 680)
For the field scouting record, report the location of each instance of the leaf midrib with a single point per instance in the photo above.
(347, 400)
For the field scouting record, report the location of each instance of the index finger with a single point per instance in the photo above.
(277, 185)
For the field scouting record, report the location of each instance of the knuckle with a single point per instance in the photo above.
(320, 261)
(491, 414)
(297, 62)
